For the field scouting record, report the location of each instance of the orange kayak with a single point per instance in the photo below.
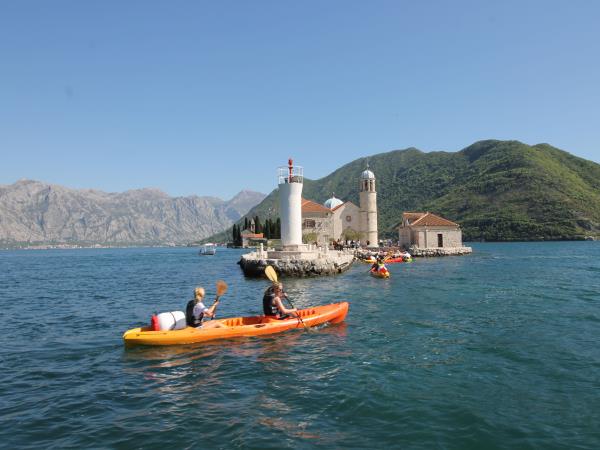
(238, 327)
(380, 273)
(397, 260)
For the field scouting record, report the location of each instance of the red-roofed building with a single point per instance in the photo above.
(330, 222)
(427, 230)
(252, 239)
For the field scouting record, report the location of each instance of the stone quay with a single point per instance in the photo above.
(307, 262)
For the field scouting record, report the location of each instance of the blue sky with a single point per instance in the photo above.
(209, 98)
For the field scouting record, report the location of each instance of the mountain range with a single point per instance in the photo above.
(33, 212)
(496, 190)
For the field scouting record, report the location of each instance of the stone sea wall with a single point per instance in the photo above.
(415, 251)
(452, 251)
(254, 264)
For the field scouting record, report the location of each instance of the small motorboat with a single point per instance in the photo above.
(208, 249)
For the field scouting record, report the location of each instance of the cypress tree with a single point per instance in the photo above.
(278, 229)
(257, 225)
(238, 240)
(246, 223)
(272, 228)
(234, 233)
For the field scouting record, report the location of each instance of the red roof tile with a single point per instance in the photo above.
(412, 216)
(252, 235)
(431, 220)
(309, 206)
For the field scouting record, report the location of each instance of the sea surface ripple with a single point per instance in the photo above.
(498, 349)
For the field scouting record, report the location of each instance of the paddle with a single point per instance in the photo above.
(272, 275)
(221, 289)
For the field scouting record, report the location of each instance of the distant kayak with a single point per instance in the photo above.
(380, 273)
(399, 259)
(238, 327)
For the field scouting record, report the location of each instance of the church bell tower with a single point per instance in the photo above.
(368, 208)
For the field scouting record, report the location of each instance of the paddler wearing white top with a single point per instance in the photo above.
(196, 311)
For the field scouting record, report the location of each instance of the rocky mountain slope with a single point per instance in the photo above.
(496, 190)
(32, 212)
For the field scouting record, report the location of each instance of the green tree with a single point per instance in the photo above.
(309, 238)
(257, 225)
(240, 242)
(350, 235)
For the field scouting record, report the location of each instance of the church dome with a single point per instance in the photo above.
(367, 175)
(333, 202)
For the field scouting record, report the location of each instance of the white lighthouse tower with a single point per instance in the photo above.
(368, 208)
(290, 181)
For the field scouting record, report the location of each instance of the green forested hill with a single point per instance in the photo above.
(496, 190)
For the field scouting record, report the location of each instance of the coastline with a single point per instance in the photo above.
(65, 246)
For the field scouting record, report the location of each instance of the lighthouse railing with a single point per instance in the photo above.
(285, 175)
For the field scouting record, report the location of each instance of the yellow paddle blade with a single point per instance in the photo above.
(271, 274)
(221, 287)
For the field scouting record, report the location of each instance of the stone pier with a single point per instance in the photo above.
(306, 262)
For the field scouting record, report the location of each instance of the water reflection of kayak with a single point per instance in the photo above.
(238, 327)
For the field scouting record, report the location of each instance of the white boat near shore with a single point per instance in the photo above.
(208, 249)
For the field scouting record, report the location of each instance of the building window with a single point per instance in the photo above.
(309, 223)
(348, 218)
(440, 240)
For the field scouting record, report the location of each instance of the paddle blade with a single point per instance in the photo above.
(221, 288)
(271, 274)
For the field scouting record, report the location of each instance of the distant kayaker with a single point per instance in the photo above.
(196, 311)
(378, 262)
(273, 304)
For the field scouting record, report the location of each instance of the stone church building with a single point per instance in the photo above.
(426, 233)
(338, 220)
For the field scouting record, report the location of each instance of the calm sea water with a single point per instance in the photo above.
(499, 349)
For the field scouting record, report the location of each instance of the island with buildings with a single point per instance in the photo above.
(314, 236)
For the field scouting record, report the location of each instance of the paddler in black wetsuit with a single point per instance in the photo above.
(273, 305)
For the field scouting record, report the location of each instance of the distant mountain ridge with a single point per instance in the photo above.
(496, 190)
(33, 212)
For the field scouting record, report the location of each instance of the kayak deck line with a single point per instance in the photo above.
(238, 327)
